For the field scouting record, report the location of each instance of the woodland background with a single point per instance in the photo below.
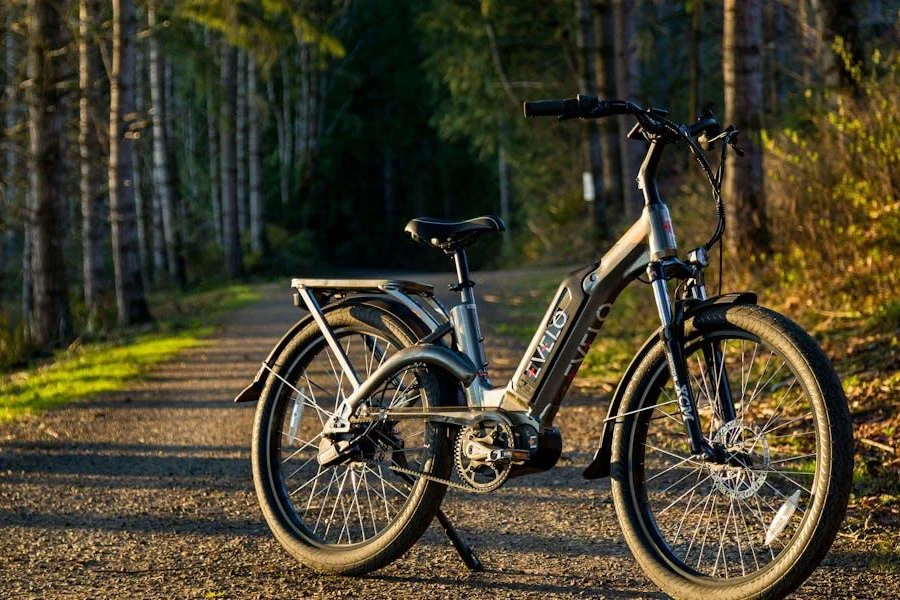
(162, 146)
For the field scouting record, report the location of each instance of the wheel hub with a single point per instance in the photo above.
(744, 470)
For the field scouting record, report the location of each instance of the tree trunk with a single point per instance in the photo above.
(286, 147)
(141, 205)
(130, 298)
(234, 262)
(627, 68)
(257, 208)
(212, 142)
(10, 154)
(93, 222)
(162, 172)
(46, 70)
(587, 84)
(241, 143)
(503, 174)
(837, 18)
(742, 75)
(694, 67)
(606, 88)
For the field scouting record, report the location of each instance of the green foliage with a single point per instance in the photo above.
(265, 29)
(834, 199)
(87, 369)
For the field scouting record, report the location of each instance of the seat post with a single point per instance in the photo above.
(464, 285)
(468, 330)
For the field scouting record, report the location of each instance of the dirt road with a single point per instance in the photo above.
(148, 494)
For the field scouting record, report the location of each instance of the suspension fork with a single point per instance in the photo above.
(714, 359)
(672, 336)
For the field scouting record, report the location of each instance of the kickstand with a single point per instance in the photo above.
(462, 547)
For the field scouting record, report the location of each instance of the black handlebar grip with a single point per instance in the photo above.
(551, 108)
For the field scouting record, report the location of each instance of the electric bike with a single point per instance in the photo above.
(728, 439)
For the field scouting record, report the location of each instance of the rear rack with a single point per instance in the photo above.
(378, 286)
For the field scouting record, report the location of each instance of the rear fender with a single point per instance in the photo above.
(599, 466)
(414, 325)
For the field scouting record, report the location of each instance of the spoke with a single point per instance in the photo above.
(337, 499)
(365, 475)
(313, 492)
(706, 531)
(758, 381)
(387, 512)
(747, 532)
(299, 450)
(784, 460)
(358, 509)
(325, 499)
(680, 480)
(706, 504)
(679, 463)
(698, 484)
(315, 478)
(687, 511)
(763, 523)
(673, 455)
(737, 538)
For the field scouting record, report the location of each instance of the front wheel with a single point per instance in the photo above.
(757, 521)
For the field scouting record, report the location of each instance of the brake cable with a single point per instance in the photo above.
(715, 179)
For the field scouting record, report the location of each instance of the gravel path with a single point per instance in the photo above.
(148, 494)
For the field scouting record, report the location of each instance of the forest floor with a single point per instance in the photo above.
(147, 493)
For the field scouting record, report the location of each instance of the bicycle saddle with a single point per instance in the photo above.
(450, 236)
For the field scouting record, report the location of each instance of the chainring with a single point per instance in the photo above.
(481, 472)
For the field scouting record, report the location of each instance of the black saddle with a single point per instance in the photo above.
(450, 236)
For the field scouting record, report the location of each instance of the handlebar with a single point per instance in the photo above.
(654, 125)
(592, 107)
(583, 107)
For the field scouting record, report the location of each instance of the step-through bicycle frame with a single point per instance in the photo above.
(566, 332)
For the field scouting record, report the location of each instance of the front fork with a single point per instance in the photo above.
(672, 336)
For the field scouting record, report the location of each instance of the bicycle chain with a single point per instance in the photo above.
(436, 479)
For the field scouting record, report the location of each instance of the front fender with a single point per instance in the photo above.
(599, 466)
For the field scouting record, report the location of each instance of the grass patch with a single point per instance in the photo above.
(84, 370)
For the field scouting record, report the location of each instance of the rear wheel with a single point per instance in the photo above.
(356, 515)
(757, 524)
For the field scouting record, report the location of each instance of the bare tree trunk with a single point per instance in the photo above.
(694, 67)
(27, 271)
(503, 174)
(257, 208)
(606, 88)
(287, 147)
(10, 154)
(837, 18)
(130, 298)
(92, 194)
(162, 172)
(46, 34)
(212, 142)
(234, 262)
(141, 204)
(742, 75)
(241, 143)
(301, 137)
(806, 44)
(626, 88)
(587, 84)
